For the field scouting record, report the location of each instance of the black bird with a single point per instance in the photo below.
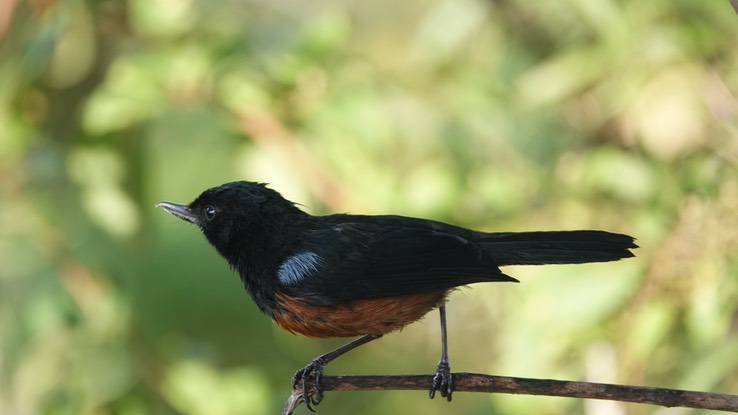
(355, 275)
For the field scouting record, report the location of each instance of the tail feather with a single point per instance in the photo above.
(557, 247)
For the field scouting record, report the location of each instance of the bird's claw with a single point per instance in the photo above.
(442, 381)
(301, 377)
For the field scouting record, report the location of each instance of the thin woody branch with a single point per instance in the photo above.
(473, 382)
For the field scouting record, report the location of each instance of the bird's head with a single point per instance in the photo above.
(236, 215)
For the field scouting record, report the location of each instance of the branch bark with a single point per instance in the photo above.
(473, 382)
(734, 3)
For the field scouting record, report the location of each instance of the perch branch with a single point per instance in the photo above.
(734, 3)
(473, 382)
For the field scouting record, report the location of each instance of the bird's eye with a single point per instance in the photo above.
(209, 212)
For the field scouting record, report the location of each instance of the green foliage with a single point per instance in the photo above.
(495, 115)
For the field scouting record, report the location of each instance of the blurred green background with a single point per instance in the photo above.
(497, 115)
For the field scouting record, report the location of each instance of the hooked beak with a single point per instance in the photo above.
(181, 211)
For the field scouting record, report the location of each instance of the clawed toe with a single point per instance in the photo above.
(442, 382)
(301, 377)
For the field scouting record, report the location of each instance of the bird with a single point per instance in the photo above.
(349, 275)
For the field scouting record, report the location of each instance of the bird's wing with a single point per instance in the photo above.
(383, 257)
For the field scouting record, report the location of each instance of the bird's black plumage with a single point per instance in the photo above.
(365, 257)
(299, 267)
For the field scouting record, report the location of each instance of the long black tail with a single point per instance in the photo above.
(557, 247)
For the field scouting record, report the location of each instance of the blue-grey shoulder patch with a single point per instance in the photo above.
(295, 268)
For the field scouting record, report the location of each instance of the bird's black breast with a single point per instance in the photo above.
(259, 284)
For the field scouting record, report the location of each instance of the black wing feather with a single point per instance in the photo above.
(390, 256)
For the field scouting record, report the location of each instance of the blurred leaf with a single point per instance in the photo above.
(620, 174)
(129, 95)
(196, 388)
(164, 18)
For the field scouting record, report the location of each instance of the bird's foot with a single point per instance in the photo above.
(442, 381)
(301, 377)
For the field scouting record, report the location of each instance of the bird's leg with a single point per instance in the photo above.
(443, 380)
(315, 368)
